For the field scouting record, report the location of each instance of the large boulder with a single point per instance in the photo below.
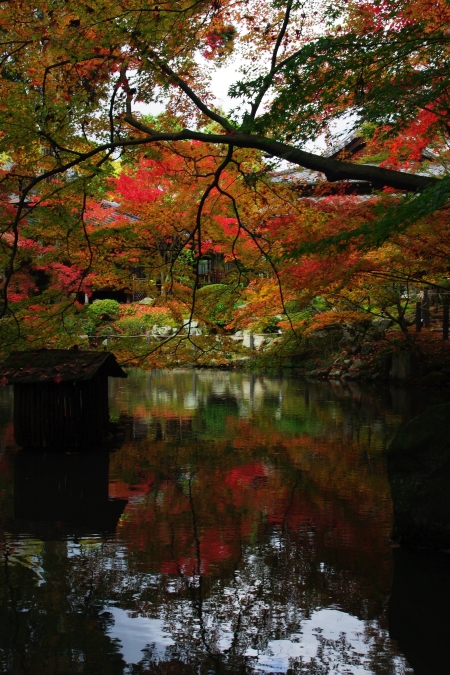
(162, 331)
(419, 474)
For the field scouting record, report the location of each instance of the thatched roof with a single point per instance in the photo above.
(57, 365)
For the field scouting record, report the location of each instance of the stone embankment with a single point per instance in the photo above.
(374, 352)
(355, 350)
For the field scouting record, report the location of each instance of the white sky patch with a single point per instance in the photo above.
(135, 634)
(329, 624)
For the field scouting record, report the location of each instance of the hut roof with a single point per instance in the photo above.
(57, 365)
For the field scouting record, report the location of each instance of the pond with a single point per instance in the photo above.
(240, 525)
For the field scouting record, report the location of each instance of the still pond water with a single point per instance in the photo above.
(241, 525)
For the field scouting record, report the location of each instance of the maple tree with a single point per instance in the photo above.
(73, 78)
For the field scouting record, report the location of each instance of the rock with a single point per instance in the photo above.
(191, 328)
(319, 334)
(259, 340)
(357, 363)
(346, 344)
(351, 374)
(254, 340)
(366, 349)
(401, 368)
(381, 324)
(162, 331)
(84, 337)
(419, 474)
(146, 301)
(239, 333)
(320, 372)
(335, 373)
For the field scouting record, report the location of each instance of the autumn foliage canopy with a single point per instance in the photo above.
(96, 192)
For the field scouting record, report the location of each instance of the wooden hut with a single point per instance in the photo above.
(60, 397)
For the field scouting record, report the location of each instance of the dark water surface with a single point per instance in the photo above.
(241, 526)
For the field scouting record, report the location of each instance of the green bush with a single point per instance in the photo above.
(132, 326)
(158, 317)
(104, 310)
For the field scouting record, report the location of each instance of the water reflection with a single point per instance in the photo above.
(255, 538)
(419, 609)
(65, 487)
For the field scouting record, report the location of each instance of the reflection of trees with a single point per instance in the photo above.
(276, 569)
(232, 542)
(53, 622)
(287, 405)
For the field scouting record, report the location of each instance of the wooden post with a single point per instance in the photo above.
(418, 317)
(252, 341)
(445, 319)
(426, 309)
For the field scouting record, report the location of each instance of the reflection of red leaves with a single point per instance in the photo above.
(57, 379)
(169, 567)
(4, 381)
(246, 475)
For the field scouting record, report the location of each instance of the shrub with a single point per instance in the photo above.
(132, 325)
(104, 310)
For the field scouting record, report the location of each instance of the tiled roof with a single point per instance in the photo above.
(57, 365)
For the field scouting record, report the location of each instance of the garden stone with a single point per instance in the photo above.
(381, 324)
(162, 331)
(259, 340)
(320, 372)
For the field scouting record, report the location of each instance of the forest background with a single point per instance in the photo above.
(99, 200)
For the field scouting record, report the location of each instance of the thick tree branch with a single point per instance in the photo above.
(333, 169)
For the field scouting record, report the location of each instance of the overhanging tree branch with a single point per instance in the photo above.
(333, 169)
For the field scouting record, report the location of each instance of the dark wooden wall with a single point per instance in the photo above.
(68, 415)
